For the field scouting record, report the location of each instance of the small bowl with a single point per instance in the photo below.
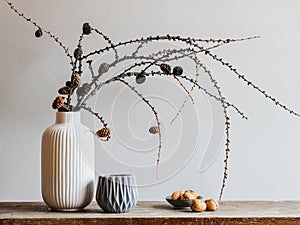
(179, 204)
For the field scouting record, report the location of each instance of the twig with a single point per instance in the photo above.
(89, 109)
(250, 83)
(155, 114)
(189, 41)
(106, 38)
(55, 38)
(188, 93)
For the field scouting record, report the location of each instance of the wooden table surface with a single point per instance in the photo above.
(149, 212)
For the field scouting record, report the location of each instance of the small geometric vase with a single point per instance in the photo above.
(117, 193)
(67, 163)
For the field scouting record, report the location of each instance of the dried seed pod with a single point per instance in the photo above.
(211, 204)
(38, 33)
(86, 29)
(177, 70)
(76, 79)
(64, 90)
(165, 68)
(104, 132)
(154, 130)
(103, 68)
(140, 78)
(198, 205)
(78, 53)
(176, 195)
(58, 102)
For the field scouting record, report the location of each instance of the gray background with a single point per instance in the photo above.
(264, 150)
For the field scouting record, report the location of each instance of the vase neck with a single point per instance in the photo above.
(68, 117)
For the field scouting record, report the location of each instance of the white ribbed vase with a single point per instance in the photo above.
(67, 163)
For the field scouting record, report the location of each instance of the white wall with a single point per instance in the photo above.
(264, 159)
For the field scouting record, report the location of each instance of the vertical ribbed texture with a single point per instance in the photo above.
(116, 193)
(67, 163)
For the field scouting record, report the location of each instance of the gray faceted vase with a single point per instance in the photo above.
(116, 193)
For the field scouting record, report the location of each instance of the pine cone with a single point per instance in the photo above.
(103, 68)
(76, 79)
(165, 68)
(177, 70)
(38, 33)
(64, 90)
(58, 102)
(64, 108)
(104, 132)
(78, 53)
(86, 29)
(154, 130)
(80, 91)
(141, 78)
(69, 84)
(84, 89)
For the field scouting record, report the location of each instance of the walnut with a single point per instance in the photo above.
(211, 204)
(176, 195)
(198, 205)
(188, 196)
(194, 193)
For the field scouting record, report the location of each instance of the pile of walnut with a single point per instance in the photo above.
(187, 195)
(198, 205)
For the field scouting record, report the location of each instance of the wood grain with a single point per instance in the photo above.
(154, 213)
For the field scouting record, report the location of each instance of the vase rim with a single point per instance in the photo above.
(68, 117)
(117, 175)
(68, 112)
